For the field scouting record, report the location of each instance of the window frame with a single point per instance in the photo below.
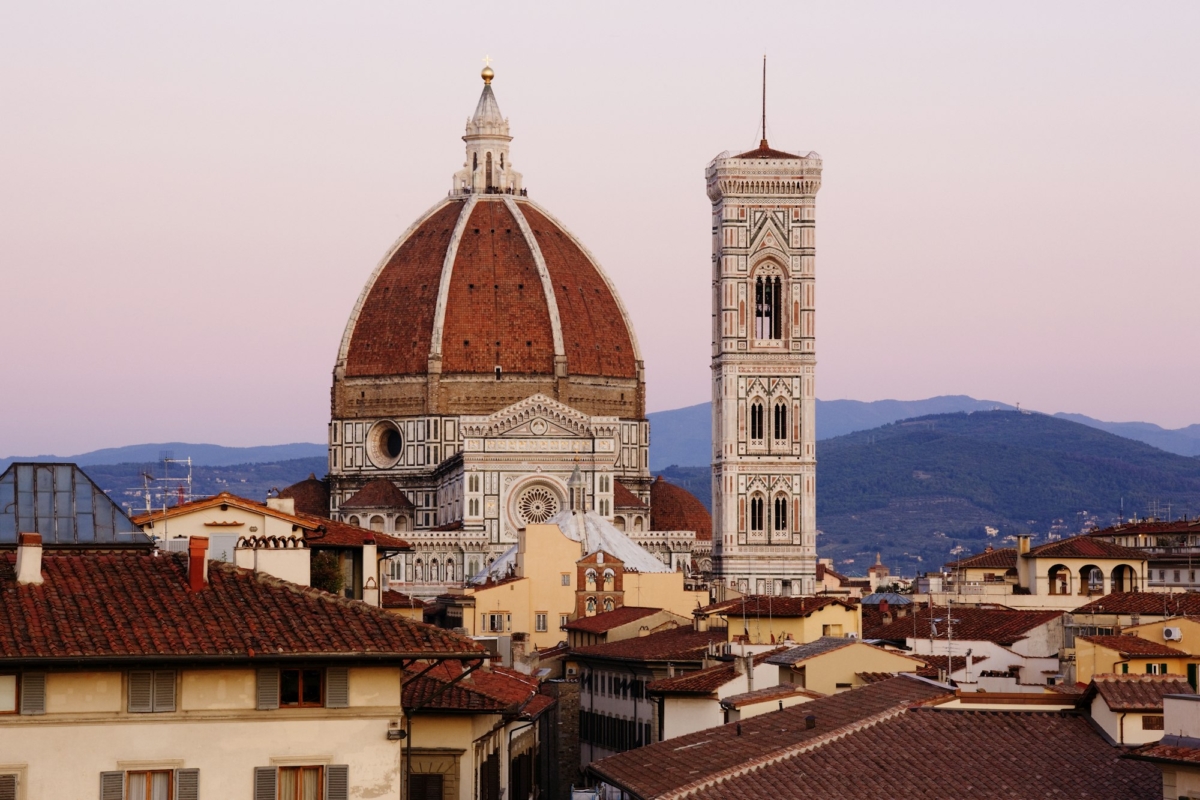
(170, 773)
(300, 687)
(541, 621)
(299, 770)
(16, 693)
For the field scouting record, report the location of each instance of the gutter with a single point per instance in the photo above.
(251, 658)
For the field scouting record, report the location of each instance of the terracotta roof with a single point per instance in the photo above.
(942, 753)
(1136, 692)
(662, 768)
(342, 534)
(756, 605)
(780, 692)
(677, 644)
(704, 681)
(1149, 527)
(765, 151)
(306, 522)
(817, 647)
(876, 677)
(310, 496)
(379, 493)
(1005, 558)
(602, 623)
(673, 508)
(1000, 625)
(494, 690)
(1170, 749)
(1085, 547)
(934, 665)
(114, 606)
(1153, 604)
(393, 599)
(1133, 646)
(623, 498)
(825, 569)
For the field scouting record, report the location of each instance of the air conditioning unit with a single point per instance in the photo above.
(1173, 634)
(851, 635)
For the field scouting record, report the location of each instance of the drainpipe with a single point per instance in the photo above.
(1121, 727)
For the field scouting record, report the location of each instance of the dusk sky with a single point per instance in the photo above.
(192, 195)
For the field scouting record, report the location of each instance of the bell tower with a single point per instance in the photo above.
(763, 369)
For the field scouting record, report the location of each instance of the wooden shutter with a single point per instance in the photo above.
(187, 784)
(337, 687)
(141, 692)
(33, 693)
(427, 787)
(8, 787)
(112, 786)
(268, 689)
(337, 782)
(164, 690)
(264, 783)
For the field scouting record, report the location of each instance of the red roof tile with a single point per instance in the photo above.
(1005, 558)
(781, 692)
(1133, 646)
(1151, 604)
(765, 151)
(1171, 749)
(660, 769)
(333, 533)
(704, 681)
(941, 753)
(673, 508)
(379, 493)
(393, 599)
(226, 499)
(492, 690)
(310, 496)
(1000, 625)
(1085, 547)
(1136, 692)
(623, 498)
(678, 644)
(101, 606)
(756, 605)
(602, 623)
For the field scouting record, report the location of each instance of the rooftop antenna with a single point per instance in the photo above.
(763, 143)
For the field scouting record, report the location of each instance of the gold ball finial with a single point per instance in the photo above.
(487, 73)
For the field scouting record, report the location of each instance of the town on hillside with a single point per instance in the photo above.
(488, 595)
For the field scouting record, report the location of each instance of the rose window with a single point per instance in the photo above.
(536, 505)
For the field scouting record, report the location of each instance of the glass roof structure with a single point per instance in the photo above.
(60, 502)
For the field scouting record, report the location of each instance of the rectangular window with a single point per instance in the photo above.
(831, 630)
(540, 622)
(495, 622)
(1177, 576)
(151, 691)
(426, 787)
(8, 694)
(301, 783)
(149, 785)
(1152, 722)
(563, 619)
(300, 688)
(566, 579)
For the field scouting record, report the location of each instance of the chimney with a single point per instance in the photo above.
(810, 722)
(1022, 544)
(197, 563)
(29, 558)
(285, 504)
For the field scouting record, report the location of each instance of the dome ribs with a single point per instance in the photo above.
(496, 310)
(595, 333)
(394, 328)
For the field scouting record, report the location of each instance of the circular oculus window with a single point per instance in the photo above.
(537, 504)
(385, 444)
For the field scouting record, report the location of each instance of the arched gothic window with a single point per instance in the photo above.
(781, 425)
(756, 421)
(489, 171)
(768, 320)
(474, 161)
(756, 513)
(781, 511)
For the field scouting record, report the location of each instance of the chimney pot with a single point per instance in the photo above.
(810, 722)
(29, 558)
(197, 563)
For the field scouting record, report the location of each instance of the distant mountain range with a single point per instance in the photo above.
(683, 436)
(203, 455)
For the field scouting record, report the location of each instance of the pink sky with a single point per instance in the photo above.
(192, 195)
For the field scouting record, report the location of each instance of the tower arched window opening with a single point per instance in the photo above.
(756, 513)
(756, 421)
(489, 171)
(768, 321)
(781, 511)
(781, 422)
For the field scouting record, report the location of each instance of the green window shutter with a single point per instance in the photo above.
(337, 687)
(8, 787)
(1125, 668)
(337, 782)
(33, 693)
(164, 690)
(264, 783)
(268, 689)
(1149, 668)
(112, 786)
(1163, 670)
(187, 784)
(141, 692)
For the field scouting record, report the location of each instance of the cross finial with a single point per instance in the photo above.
(487, 73)
(487, 61)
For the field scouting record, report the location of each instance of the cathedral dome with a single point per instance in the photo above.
(673, 508)
(487, 286)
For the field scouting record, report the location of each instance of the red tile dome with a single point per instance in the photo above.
(484, 283)
(673, 508)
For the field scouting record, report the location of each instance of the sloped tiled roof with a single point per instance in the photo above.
(1170, 749)
(704, 681)
(1133, 646)
(602, 623)
(379, 493)
(937, 664)
(817, 647)
(1136, 691)
(99, 606)
(942, 753)
(623, 498)
(310, 496)
(333, 533)
(305, 522)
(494, 690)
(1000, 625)
(762, 605)
(1159, 604)
(673, 508)
(390, 598)
(663, 768)
(1005, 558)
(678, 644)
(769, 693)
(1085, 547)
